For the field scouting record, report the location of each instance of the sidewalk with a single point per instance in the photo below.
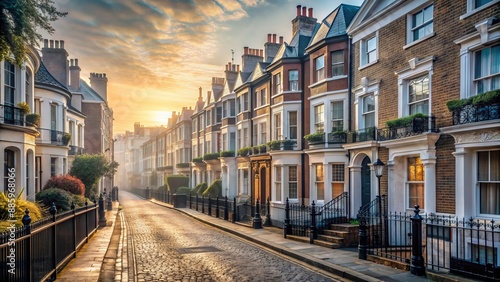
(90, 258)
(342, 262)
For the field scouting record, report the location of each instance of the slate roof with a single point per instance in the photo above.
(88, 93)
(43, 77)
(258, 71)
(335, 23)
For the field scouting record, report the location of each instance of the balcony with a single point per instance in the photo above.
(475, 113)
(54, 137)
(75, 150)
(362, 135)
(416, 126)
(282, 145)
(11, 115)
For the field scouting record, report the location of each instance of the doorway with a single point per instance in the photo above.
(365, 182)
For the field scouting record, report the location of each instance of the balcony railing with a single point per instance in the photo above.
(11, 115)
(56, 137)
(419, 125)
(337, 138)
(282, 145)
(365, 134)
(471, 113)
(75, 150)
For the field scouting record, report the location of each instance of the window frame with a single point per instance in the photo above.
(489, 76)
(319, 181)
(277, 126)
(335, 180)
(319, 72)
(336, 120)
(319, 118)
(277, 84)
(417, 102)
(293, 84)
(364, 52)
(292, 126)
(338, 63)
(278, 182)
(409, 182)
(365, 114)
(412, 28)
(293, 179)
(489, 180)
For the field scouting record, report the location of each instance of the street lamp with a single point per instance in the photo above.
(379, 171)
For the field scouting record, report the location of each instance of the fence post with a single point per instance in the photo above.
(233, 220)
(217, 209)
(202, 204)
(257, 220)
(74, 228)
(190, 201)
(53, 211)
(226, 209)
(362, 254)
(286, 228)
(417, 260)
(267, 222)
(148, 193)
(86, 222)
(26, 222)
(209, 206)
(196, 202)
(102, 214)
(312, 229)
(109, 203)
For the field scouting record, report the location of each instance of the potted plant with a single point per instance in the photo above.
(274, 145)
(198, 160)
(25, 108)
(226, 154)
(315, 138)
(263, 148)
(255, 150)
(33, 119)
(66, 138)
(211, 156)
(288, 144)
(244, 151)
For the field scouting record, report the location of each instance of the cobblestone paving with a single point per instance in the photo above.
(170, 246)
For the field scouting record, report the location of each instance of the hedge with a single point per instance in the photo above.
(214, 190)
(175, 181)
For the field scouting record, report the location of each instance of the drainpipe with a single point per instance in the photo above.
(302, 119)
(349, 107)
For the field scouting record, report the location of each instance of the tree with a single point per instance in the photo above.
(89, 169)
(19, 21)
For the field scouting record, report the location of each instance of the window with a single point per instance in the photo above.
(338, 178)
(9, 168)
(240, 145)
(319, 122)
(232, 108)
(293, 80)
(479, 3)
(277, 184)
(369, 50)
(277, 126)
(368, 111)
(488, 177)
(415, 182)
(320, 68)
(245, 181)
(53, 117)
(262, 97)
(320, 185)
(418, 95)
(422, 23)
(263, 133)
(337, 116)
(483, 254)
(277, 83)
(224, 142)
(245, 102)
(292, 182)
(292, 125)
(487, 69)
(255, 134)
(219, 114)
(337, 63)
(245, 137)
(10, 84)
(53, 166)
(232, 141)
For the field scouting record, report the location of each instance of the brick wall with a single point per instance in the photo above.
(93, 135)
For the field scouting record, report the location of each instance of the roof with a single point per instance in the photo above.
(258, 72)
(335, 23)
(88, 93)
(43, 77)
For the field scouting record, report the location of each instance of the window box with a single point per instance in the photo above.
(227, 154)
(33, 119)
(211, 156)
(478, 108)
(288, 144)
(245, 151)
(315, 138)
(274, 145)
(198, 160)
(66, 138)
(182, 165)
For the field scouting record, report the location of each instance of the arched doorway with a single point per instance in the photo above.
(365, 182)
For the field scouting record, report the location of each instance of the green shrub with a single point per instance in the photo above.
(67, 183)
(80, 201)
(274, 145)
(163, 188)
(226, 154)
(262, 148)
(61, 198)
(25, 108)
(66, 138)
(244, 151)
(211, 156)
(315, 137)
(33, 119)
(184, 190)
(20, 206)
(457, 104)
(198, 160)
(176, 181)
(182, 165)
(214, 190)
(200, 188)
(486, 98)
(404, 121)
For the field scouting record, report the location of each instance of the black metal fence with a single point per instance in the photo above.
(11, 115)
(35, 252)
(472, 113)
(443, 243)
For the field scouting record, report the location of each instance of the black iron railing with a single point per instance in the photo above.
(75, 150)
(361, 135)
(54, 137)
(337, 138)
(11, 115)
(334, 212)
(418, 126)
(471, 113)
(44, 247)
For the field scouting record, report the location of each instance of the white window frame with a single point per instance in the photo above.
(319, 68)
(488, 77)
(293, 125)
(338, 63)
(293, 84)
(362, 123)
(418, 68)
(291, 181)
(318, 182)
(278, 184)
(277, 84)
(472, 9)
(277, 127)
(332, 119)
(334, 180)
(319, 118)
(410, 30)
(263, 132)
(479, 181)
(408, 182)
(364, 52)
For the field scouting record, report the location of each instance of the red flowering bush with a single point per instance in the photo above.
(66, 182)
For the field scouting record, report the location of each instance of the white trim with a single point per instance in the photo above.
(471, 11)
(419, 40)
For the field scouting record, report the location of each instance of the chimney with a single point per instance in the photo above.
(245, 50)
(271, 48)
(99, 82)
(268, 38)
(200, 97)
(56, 60)
(303, 23)
(249, 59)
(281, 40)
(261, 53)
(274, 38)
(74, 75)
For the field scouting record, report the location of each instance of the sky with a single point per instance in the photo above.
(157, 53)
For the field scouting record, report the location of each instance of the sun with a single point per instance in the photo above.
(161, 117)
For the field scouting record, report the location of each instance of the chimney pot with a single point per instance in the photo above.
(310, 12)
(71, 62)
(229, 65)
(76, 62)
(57, 44)
(51, 43)
(304, 11)
(245, 50)
(268, 38)
(45, 43)
(234, 68)
(281, 40)
(261, 53)
(62, 44)
(238, 68)
(298, 10)
(274, 38)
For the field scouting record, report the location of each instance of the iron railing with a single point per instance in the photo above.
(361, 135)
(337, 138)
(334, 212)
(39, 250)
(471, 113)
(418, 126)
(75, 150)
(11, 115)
(53, 137)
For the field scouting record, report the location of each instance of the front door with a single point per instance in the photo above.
(365, 182)
(263, 196)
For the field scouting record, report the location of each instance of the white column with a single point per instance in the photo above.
(355, 198)
(462, 204)
(429, 184)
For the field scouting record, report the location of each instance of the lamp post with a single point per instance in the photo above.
(379, 170)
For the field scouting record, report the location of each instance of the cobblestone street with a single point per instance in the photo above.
(169, 246)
